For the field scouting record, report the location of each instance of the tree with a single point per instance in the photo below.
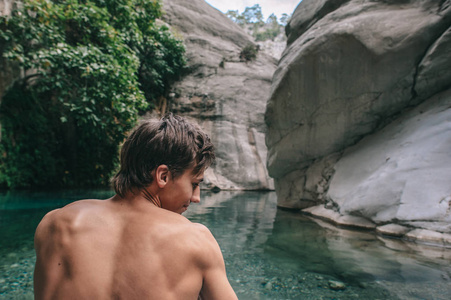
(233, 15)
(90, 66)
(253, 14)
(272, 19)
(284, 19)
(260, 30)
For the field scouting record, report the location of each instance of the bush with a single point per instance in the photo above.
(268, 34)
(249, 53)
(90, 66)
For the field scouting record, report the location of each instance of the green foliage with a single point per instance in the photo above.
(250, 15)
(249, 53)
(272, 20)
(253, 14)
(236, 17)
(28, 142)
(161, 61)
(268, 34)
(284, 19)
(90, 66)
(271, 30)
(252, 20)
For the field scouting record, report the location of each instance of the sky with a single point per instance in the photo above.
(278, 7)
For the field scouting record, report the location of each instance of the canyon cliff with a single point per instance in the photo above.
(223, 93)
(359, 117)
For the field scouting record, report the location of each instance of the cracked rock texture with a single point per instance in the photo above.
(225, 95)
(359, 118)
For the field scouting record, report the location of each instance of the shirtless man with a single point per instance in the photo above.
(137, 245)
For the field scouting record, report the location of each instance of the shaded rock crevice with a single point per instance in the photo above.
(444, 5)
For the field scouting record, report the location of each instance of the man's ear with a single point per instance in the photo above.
(162, 175)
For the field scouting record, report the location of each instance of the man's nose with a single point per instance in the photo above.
(196, 195)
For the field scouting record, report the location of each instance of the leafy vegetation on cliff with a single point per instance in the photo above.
(90, 67)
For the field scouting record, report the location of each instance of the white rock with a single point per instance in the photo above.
(403, 171)
(393, 230)
(423, 235)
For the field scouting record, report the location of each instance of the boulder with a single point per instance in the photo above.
(402, 172)
(226, 95)
(359, 119)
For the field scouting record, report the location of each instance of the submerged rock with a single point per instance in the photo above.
(336, 285)
(359, 119)
(225, 95)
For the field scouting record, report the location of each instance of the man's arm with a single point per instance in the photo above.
(45, 275)
(215, 285)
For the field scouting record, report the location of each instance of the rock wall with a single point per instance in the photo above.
(225, 95)
(6, 7)
(359, 118)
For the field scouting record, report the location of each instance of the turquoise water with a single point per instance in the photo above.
(269, 253)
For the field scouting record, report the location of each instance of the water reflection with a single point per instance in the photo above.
(269, 253)
(297, 256)
(351, 255)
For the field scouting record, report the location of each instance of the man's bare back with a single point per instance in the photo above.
(117, 249)
(137, 245)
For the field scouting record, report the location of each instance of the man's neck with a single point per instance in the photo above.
(149, 196)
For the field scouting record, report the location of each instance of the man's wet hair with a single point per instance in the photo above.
(171, 141)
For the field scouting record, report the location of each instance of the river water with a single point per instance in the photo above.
(269, 253)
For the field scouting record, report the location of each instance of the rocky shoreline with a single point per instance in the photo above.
(391, 230)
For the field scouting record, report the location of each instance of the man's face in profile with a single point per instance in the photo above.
(181, 191)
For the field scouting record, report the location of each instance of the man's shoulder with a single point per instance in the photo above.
(178, 228)
(202, 242)
(202, 230)
(66, 215)
(198, 231)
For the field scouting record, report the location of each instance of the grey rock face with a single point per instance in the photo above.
(350, 69)
(224, 95)
(402, 172)
(6, 6)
